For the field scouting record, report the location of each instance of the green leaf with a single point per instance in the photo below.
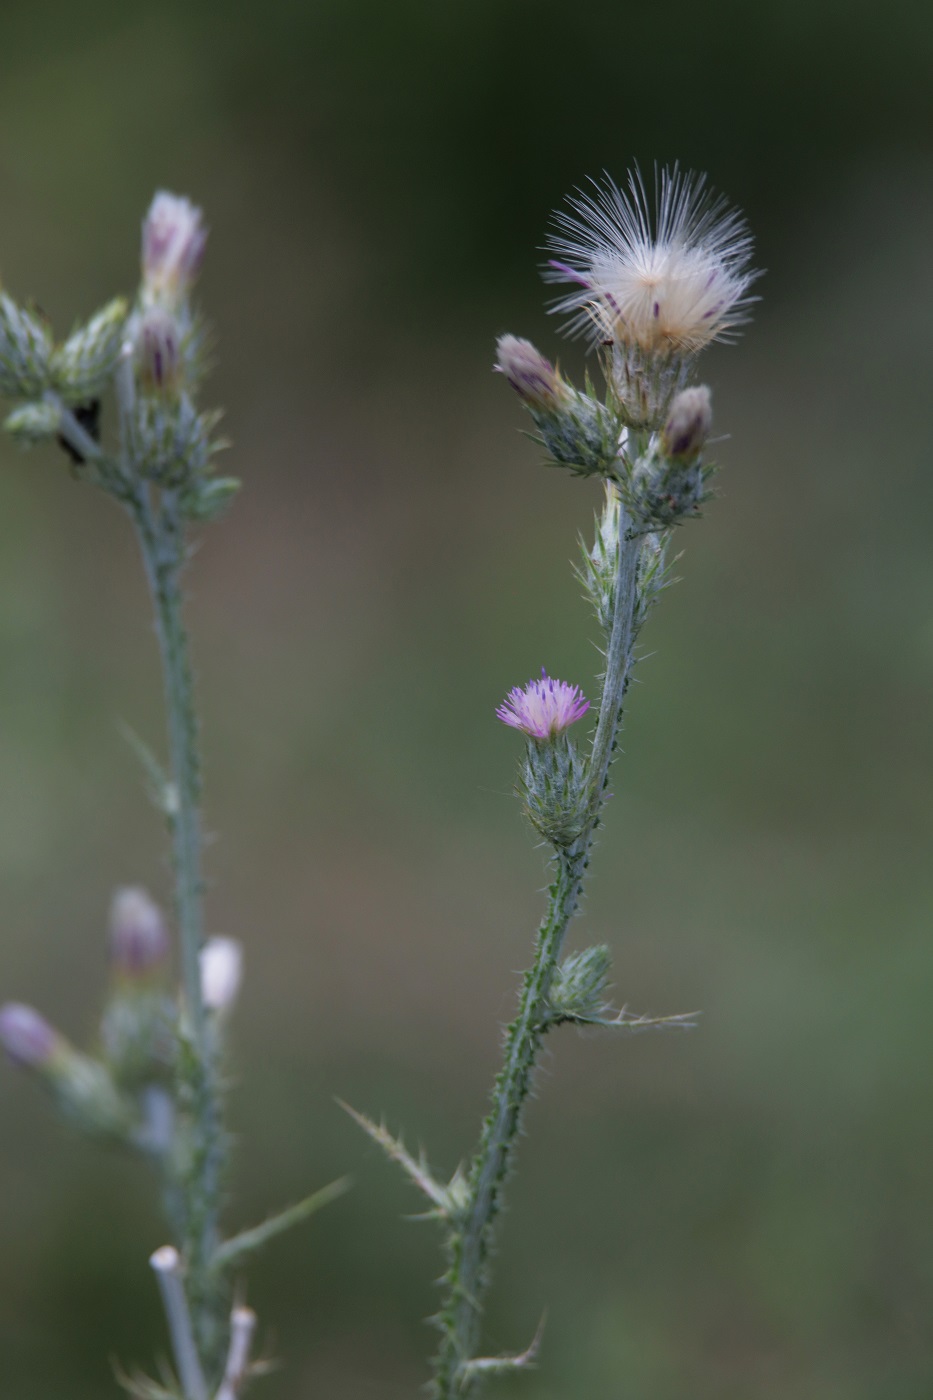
(248, 1241)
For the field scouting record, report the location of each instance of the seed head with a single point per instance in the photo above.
(663, 281)
(173, 245)
(545, 708)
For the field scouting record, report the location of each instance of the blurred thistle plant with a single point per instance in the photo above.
(155, 1083)
(651, 288)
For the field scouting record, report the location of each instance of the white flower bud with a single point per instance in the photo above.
(221, 973)
(139, 941)
(173, 245)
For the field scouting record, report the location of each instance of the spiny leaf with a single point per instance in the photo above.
(395, 1149)
(232, 1250)
(500, 1365)
(625, 1020)
(161, 788)
(142, 1387)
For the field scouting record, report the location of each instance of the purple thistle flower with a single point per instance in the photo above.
(545, 708)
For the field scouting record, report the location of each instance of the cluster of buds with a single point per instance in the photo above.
(651, 289)
(553, 784)
(125, 1092)
(153, 353)
(46, 376)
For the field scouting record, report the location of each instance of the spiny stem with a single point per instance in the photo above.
(618, 662)
(161, 535)
(471, 1247)
(471, 1241)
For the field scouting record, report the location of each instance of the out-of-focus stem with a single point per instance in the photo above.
(166, 1263)
(161, 535)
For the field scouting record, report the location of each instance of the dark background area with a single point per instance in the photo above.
(745, 1211)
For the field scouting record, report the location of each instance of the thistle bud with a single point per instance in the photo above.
(157, 350)
(81, 1087)
(84, 364)
(27, 1037)
(533, 378)
(139, 942)
(578, 991)
(221, 973)
(688, 424)
(32, 423)
(25, 350)
(173, 246)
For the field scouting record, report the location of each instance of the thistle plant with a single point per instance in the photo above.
(650, 287)
(154, 1084)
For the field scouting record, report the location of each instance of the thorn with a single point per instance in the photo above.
(492, 1365)
(395, 1149)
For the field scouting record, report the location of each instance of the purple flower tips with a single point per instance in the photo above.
(545, 708)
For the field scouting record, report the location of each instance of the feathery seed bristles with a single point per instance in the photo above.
(545, 708)
(668, 281)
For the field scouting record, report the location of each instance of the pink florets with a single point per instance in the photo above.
(545, 708)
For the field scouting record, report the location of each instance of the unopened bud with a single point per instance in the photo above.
(85, 363)
(82, 1087)
(173, 245)
(221, 973)
(578, 991)
(139, 941)
(33, 422)
(27, 1037)
(688, 424)
(157, 349)
(533, 378)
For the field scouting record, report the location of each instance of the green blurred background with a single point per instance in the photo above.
(745, 1211)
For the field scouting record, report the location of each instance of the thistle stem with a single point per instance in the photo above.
(472, 1236)
(162, 542)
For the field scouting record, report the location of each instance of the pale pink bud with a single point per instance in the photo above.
(533, 378)
(157, 349)
(221, 973)
(139, 941)
(688, 424)
(173, 245)
(27, 1037)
